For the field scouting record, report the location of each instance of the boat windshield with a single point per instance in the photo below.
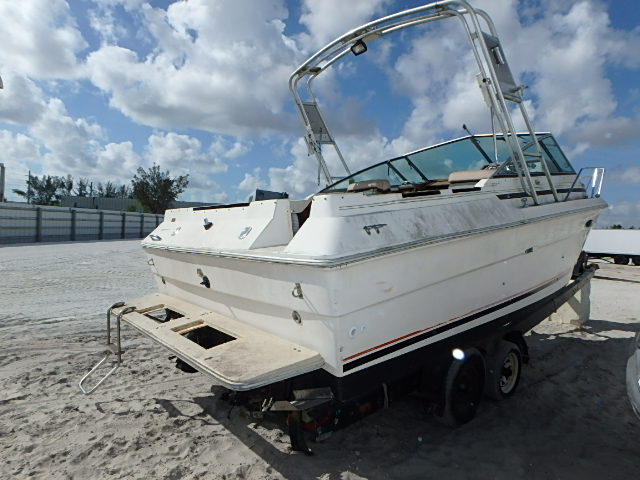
(467, 153)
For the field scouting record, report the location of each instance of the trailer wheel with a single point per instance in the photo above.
(503, 371)
(463, 389)
(620, 259)
(636, 260)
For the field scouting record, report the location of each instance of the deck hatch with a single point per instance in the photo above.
(202, 334)
(239, 356)
(162, 314)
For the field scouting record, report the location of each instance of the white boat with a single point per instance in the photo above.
(356, 285)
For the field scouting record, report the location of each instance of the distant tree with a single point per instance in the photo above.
(108, 190)
(25, 194)
(124, 191)
(47, 190)
(66, 185)
(616, 226)
(156, 190)
(82, 187)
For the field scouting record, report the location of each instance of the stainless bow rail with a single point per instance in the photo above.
(593, 188)
(110, 350)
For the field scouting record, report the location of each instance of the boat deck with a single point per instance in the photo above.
(239, 356)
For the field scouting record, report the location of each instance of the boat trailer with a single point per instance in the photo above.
(266, 386)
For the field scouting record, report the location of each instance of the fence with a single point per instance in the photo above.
(21, 223)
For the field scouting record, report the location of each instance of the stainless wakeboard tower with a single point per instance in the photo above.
(495, 79)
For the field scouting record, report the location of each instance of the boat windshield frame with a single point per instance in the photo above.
(437, 162)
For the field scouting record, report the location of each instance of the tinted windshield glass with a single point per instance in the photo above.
(433, 163)
(551, 154)
(437, 162)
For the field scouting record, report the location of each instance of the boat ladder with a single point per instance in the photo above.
(110, 350)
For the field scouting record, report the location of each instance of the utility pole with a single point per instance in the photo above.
(1, 164)
(1, 181)
(29, 188)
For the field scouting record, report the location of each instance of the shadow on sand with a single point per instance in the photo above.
(571, 409)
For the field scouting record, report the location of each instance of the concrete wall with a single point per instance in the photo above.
(119, 204)
(23, 223)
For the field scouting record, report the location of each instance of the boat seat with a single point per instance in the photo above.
(380, 185)
(466, 176)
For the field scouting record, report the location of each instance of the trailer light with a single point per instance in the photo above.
(457, 354)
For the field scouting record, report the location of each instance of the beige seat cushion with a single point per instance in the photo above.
(465, 176)
(380, 185)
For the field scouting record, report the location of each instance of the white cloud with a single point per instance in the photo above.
(626, 213)
(22, 153)
(299, 178)
(251, 181)
(221, 147)
(72, 142)
(103, 21)
(40, 38)
(571, 85)
(119, 159)
(184, 153)
(625, 175)
(69, 143)
(563, 53)
(18, 152)
(606, 131)
(328, 19)
(215, 67)
(22, 101)
(65, 144)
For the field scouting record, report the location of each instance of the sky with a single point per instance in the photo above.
(97, 88)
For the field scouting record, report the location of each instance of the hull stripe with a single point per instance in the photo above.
(399, 343)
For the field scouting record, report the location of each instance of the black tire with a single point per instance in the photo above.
(463, 388)
(504, 368)
(581, 264)
(620, 259)
(636, 260)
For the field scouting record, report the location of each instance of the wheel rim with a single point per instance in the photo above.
(509, 372)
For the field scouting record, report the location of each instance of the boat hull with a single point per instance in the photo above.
(362, 313)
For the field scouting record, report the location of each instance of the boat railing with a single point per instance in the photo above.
(593, 186)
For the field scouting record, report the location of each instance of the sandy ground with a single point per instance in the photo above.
(570, 418)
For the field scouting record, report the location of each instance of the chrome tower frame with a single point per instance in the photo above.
(495, 79)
